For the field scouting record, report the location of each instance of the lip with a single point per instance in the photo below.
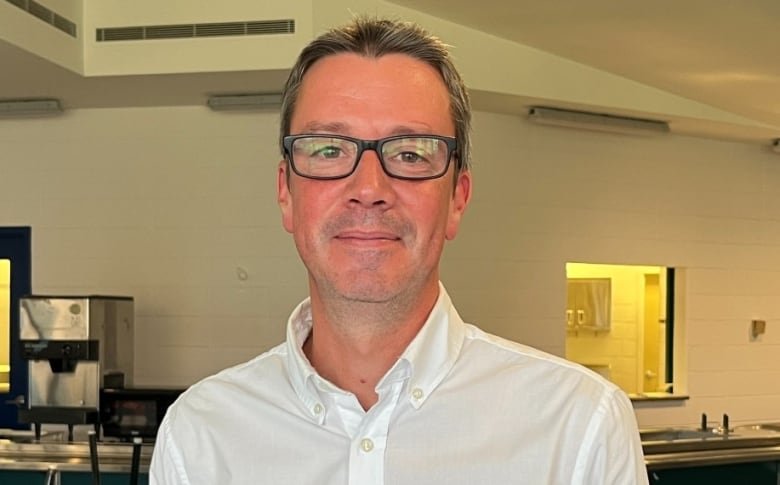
(367, 235)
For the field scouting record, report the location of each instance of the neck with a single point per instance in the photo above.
(354, 344)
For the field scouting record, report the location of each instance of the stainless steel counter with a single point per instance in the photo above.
(689, 447)
(724, 456)
(664, 448)
(43, 455)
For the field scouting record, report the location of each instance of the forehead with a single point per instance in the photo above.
(373, 94)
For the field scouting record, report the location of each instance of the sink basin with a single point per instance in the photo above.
(675, 434)
(670, 440)
(770, 427)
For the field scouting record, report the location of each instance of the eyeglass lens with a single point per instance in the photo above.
(408, 157)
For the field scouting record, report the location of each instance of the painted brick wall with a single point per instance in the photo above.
(176, 206)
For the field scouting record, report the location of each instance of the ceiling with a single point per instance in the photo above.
(32, 76)
(718, 52)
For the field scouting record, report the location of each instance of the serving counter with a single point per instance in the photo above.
(52, 462)
(745, 454)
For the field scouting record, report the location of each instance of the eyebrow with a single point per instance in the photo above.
(325, 127)
(341, 128)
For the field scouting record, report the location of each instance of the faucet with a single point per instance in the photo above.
(724, 427)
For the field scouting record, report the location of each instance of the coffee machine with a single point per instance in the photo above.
(74, 346)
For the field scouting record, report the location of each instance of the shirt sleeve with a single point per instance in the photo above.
(167, 467)
(611, 452)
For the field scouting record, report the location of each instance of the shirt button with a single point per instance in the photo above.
(366, 445)
(417, 393)
(317, 408)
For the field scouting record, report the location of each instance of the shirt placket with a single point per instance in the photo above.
(367, 449)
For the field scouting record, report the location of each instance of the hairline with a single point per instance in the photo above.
(410, 40)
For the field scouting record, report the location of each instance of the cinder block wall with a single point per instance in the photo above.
(176, 207)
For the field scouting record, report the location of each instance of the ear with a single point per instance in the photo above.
(283, 196)
(460, 199)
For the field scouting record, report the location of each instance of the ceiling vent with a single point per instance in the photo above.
(597, 121)
(47, 15)
(153, 32)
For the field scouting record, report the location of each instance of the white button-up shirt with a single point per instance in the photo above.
(459, 406)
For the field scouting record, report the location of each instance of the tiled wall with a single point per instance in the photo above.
(619, 348)
(176, 206)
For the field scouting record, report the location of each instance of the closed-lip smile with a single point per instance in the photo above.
(360, 235)
(367, 238)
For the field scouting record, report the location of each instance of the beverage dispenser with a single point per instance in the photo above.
(74, 346)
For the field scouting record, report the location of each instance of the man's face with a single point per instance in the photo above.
(369, 237)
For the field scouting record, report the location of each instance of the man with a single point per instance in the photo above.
(380, 381)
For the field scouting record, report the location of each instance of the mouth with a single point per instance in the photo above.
(367, 238)
(361, 239)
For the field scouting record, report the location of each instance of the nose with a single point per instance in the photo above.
(369, 185)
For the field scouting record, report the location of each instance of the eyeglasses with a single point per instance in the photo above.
(409, 157)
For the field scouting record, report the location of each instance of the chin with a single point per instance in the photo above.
(365, 287)
(372, 293)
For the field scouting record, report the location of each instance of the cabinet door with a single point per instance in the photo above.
(757, 473)
(588, 303)
(22, 477)
(25, 477)
(15, 277)
(85, 478)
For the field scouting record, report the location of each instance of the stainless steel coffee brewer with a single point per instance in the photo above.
(74, 346)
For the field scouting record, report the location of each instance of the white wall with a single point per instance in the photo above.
(171, 204)
(164, 205)
(187, 55)
(23, 30)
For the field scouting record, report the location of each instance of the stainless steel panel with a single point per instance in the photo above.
(117, 335)
(105, 322)
(80, 388)
(588, 304)
(54, 319)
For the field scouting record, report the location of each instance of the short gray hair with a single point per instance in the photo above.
(374, 37)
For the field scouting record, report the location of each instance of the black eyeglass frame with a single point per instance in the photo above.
(373, 145)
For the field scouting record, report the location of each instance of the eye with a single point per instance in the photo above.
(411, 157)
(411, 151)
(323, 148)
(329, 151)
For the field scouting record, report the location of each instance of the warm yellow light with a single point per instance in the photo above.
(5, 325)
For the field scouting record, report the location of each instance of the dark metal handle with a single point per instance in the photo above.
(18, 401)
(136, 460)
(53, 476)
(93, 458)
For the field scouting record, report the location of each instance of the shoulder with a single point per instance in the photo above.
(206, 419)
(527, 366)
(556, 392)
(265, 373)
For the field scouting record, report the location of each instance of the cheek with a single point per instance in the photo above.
(429, 213)
(284, 198)
(457, 204)
(310, 211)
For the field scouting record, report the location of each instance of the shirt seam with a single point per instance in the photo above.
(518, 349)
(174, 453)
(584, 454)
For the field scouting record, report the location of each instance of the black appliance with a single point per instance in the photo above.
(127, 413)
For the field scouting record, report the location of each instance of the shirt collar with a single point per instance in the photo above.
(298, 366)
(434, 350)
(427, 359)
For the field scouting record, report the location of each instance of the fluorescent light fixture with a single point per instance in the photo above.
(776, 145)
(244, 101)
(597, 121)
(28, 107)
